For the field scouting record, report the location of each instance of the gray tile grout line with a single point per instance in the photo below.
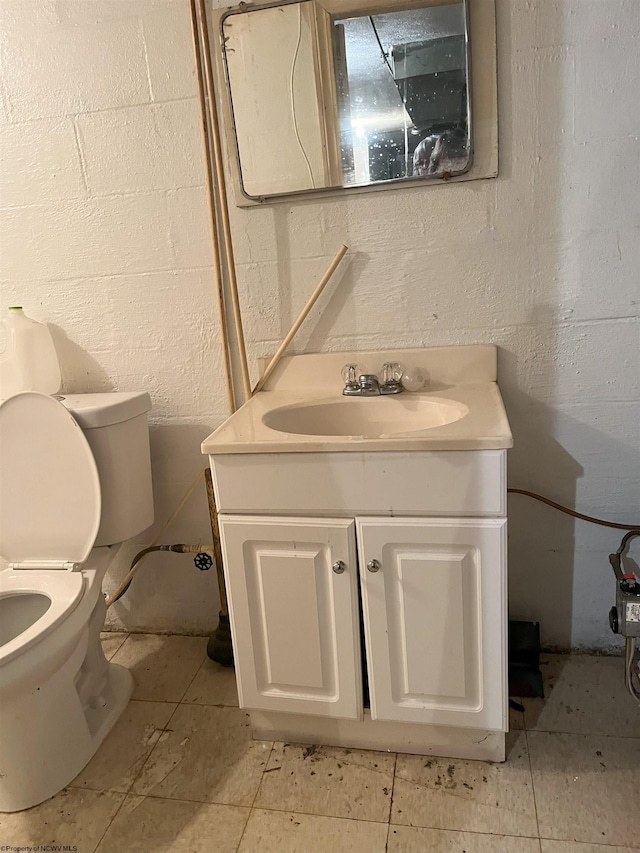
(250, 809)
(603, 844)
(578, 734)
(186, 690)
(334, 817)
(136, 777)
(244, 828)
(144, 763)
(316, 814)
(115, 814)
(273, 809)
(303, 813)
(472, 832)
(533, 787)
(255, 797)
(125, 795)
(342, 817)
(330, 816)
(190, 704)
(166, 725)
(393, 787)
(126, 637)
(525, 731)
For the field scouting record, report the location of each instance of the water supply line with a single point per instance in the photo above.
(572, 512)
(142, 555)
(219, 647)
(178, 548)
(624, 618)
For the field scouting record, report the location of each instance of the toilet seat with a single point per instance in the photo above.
(64, 591)
(49, 490)
(49, 516)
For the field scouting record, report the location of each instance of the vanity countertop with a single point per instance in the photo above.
(461, 380)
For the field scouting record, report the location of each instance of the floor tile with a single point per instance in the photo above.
(74, 818)
(125, 749)
(472, 796)
(149, 825)
(584, 695)
(414, 839)
(213, 685)
(289, 832)
(586, 787)
(209, 756)
(576, 847)
(328, 781)
(162, 666)
(111, 642)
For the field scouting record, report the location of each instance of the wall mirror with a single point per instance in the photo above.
(332, 94)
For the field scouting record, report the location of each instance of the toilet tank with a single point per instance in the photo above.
(115, 425)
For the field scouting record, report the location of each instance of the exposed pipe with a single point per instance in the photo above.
(590, 518)
(214, 130)
(220, 646)
(213, 227)
(154, 545)
(179, 548)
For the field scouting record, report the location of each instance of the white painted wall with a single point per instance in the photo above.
(104, 234)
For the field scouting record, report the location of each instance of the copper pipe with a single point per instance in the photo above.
(214, 129)
(217, 261)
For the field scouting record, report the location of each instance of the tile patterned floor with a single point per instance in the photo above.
(180, 774)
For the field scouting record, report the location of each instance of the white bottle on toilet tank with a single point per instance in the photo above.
(29, 361)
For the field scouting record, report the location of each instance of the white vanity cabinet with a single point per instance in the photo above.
(364, 548)
(432, 593)
(433, 614)
(292, 585)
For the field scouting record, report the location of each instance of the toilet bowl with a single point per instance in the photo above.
(74, 473)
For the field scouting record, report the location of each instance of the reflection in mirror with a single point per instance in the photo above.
(402, 84)
(322, 101)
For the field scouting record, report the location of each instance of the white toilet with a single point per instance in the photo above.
(75, 474)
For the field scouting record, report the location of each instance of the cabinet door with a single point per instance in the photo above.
(294, 619)
(435, 619)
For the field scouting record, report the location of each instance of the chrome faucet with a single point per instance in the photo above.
(358, 384)
(368, 385)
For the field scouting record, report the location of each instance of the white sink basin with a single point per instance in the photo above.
(365, 417)
(301, 409)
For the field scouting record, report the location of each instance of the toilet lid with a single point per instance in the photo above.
(49, 486)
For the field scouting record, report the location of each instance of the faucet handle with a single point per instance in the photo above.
(391, 373)
(350, 375)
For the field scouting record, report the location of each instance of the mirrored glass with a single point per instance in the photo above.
(321, 100)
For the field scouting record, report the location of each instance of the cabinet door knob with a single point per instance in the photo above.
(339, 567)
(373, 566)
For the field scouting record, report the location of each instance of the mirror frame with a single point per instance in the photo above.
(482, 104)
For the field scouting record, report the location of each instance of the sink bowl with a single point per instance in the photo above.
(365, 417)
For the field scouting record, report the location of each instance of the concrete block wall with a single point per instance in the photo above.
(104, 235)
